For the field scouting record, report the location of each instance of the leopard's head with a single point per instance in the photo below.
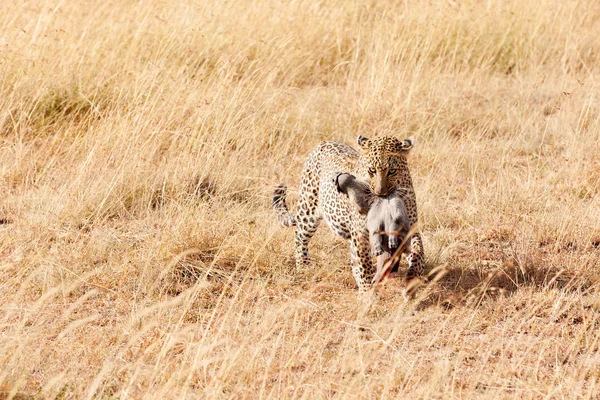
(383, 162)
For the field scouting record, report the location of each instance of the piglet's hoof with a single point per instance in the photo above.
(336, 181)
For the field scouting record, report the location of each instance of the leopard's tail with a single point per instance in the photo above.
(279, 205)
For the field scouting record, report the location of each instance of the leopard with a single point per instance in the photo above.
(382, 161)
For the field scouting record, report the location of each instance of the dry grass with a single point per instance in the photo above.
(140, 143)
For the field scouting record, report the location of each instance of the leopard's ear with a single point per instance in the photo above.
(409, 142)
(362, 142)
(404, 146)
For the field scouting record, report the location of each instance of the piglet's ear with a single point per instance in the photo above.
(362, 142)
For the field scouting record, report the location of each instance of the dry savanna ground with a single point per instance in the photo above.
(140, 143)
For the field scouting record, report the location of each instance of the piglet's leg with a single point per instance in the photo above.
(393, 241)
(377, 244)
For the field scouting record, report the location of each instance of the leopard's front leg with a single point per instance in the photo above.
(416, 257)
(362, 262)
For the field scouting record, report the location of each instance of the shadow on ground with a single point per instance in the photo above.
(450, 286)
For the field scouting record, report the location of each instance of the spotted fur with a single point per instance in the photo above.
(381, 162)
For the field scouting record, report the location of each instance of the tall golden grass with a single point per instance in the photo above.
(140, 142)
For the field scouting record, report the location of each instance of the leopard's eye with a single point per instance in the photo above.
(392, 171)
(371, 171)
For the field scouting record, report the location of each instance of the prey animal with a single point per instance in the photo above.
(387, 220)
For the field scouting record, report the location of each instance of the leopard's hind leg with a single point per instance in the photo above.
(308, 217)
